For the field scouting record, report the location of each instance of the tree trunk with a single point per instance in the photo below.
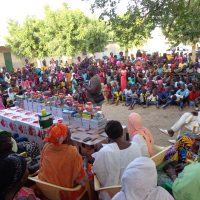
(193, 52)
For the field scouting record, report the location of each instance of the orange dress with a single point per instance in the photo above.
(69, 75)
(62, 165)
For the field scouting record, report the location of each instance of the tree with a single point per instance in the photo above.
(64, 31)
(154, 13)
(23, 39)
(123, 29)
(97, 35)
(185, 29)
(61, 32)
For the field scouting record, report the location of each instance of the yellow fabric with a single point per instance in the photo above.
(167, 70)
(169, 56)
(181, 65)
(14, 148)
(117, 94)
(175, 157)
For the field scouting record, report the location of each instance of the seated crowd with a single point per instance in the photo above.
(144, 80)
(147, 80)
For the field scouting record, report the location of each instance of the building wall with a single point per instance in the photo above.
(18, 63)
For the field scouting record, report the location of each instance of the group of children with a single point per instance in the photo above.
(144, 80)
(151, 80)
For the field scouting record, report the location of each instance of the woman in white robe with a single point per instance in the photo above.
(139, 182)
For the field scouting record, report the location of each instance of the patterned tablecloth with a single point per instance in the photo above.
(22, 122)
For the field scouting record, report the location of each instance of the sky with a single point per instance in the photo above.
(18, 9)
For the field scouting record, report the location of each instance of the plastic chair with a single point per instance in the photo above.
(52, 192)
(158, 158)
(113, 190)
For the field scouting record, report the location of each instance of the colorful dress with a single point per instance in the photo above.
(25, 192)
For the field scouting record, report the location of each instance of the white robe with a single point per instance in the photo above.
(111, 162)
(187, 120)
(139, 182)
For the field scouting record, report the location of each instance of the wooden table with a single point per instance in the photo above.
(87, 148)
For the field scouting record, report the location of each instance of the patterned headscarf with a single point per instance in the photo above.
(12, 169)
(56, 134)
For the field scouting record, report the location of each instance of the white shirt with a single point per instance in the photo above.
(111, 162)
(128, 92)
(178, 97)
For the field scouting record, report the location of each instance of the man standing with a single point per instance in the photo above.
(93, 89)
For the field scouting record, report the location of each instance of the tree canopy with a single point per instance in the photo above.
(166, 14)
(61, 32)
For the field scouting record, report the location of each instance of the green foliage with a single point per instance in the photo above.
(24, 40)
(98, 33)
(123, 28)
(179, 19)
(61, 32)
(185, 28)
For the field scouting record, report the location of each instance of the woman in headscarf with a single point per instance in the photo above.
(61, 164)
(139, 182)
(141, 135)
(13, 174)
(111, 161)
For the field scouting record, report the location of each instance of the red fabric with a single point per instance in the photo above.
(172, 66)
(110, 95)
(193, 96)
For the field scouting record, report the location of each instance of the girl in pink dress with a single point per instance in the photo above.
(123, 77)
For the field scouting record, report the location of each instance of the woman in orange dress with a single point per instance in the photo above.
(61, 164)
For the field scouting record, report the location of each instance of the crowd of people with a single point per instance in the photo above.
(144, 80)
(171, 79)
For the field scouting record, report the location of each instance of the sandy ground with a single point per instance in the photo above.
(152, 118)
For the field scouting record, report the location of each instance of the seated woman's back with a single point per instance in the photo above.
(60, 164)
(110, 162)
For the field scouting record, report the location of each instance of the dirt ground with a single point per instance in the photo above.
(152, 118)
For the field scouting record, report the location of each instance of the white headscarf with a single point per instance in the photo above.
(10, 94)
(72, 76)
(139, 182)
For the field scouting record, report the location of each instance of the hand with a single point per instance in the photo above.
(195, 113)
(194, 147)
(85, 85)
(171, 173)
(179, 168)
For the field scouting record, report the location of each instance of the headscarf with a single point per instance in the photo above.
(187, 185)
(56, 134)
(139, 182)
(72, 76)
(12, 169)
(134, 127)
(10, 94)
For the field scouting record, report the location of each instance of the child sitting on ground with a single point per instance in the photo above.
(153, 99)
(109, 93)
(135, 98)
(118, 96)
